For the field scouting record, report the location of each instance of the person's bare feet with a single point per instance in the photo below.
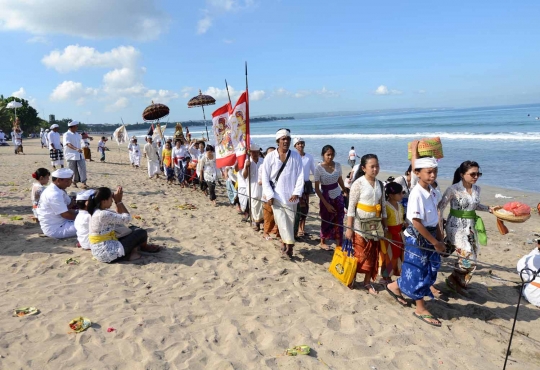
(394, 288)
(423, 313)
(370, 289)
(135, 255)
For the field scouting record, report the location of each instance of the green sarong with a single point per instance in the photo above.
(478, 223)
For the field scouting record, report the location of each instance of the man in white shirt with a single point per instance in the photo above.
(308, 164)
(250, 173)
(55, 147)
(73, 150)
(55, 219)
(151, 154)
(179, 154)
(283, 185)
(42, 136)
(352, 157)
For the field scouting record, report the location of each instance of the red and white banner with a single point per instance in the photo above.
(230, 126)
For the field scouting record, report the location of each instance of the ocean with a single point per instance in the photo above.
(505, 141)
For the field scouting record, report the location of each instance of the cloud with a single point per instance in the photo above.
(256, 95)
(75, 57)
(70, 90)
(218, 8)
(383, 90)
(94, 19)
(186, 92)
(221, 94)
(119, 104)
(421, 92)
(21, 93)
(161, 96)
(38, 40)
(302, 93)
(227, 41)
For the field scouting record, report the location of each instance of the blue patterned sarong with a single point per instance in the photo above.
(420, 266)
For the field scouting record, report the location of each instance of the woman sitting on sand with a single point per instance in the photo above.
(106, 247)
(464, 229)
(332, 208)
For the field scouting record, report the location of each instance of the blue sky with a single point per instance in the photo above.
(99, 60)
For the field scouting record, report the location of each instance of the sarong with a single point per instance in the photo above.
(79, 170)
(419, 269)
(269, 222)
(328, 230)
(87, 153)
(56, 155)
(231, 191)
(284, 217)
(366, 252)
(243, 199)
(137, 159)
(391, 256)
(257, 211)
(153, 168)
(169, 171)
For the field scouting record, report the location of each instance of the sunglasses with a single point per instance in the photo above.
(475, 174)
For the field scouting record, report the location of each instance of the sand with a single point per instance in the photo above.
(220, 297)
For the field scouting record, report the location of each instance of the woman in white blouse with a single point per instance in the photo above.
(328, 186)
(366, 201)
(105, 245)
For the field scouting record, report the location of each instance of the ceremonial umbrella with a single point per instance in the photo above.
(14, 105)
(200, 101)
(155, 112)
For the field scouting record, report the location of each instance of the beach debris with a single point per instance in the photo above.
(187, 206)
(298, 350)
(72, 261)
(137, 217)
(16, 218)
(110, 330)
(500, 196)
(80, 324)
(25, 311)
(134, 206)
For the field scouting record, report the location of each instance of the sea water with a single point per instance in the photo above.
(505, 141)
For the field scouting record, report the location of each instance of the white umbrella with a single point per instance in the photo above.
(14, 105)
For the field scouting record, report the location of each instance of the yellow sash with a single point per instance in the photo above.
(366, 208)
(95, 239)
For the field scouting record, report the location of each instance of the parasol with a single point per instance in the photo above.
(155, 112)
(200, 101)
(14, 105)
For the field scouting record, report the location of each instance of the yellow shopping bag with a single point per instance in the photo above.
(343, 265)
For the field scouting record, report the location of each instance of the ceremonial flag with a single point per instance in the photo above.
(120, 135)
(225, 155)
(159, 132)
(238, 121)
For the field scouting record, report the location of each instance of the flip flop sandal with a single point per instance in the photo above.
(397, 297)
(424, 317)
(268, 237)
(367, 287)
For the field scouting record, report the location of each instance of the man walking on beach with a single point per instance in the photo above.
(352, 157)
(75, 159)
(308, 164)
(56, 152)
(151, 153)
(283, 185)
(55, 219)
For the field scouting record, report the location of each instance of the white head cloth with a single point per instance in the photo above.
(282, 133)
(73, 123)
(54, 126)
(62, 173)
(85, 195)
(428, 162)
(297, 140)
(149, 137)
(254, 147)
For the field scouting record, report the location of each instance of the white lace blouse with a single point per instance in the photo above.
(363, 192)
(101, 223)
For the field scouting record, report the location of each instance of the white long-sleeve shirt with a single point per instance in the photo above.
(531, 261)
(309, 165)
(54, 139)
(291, 180)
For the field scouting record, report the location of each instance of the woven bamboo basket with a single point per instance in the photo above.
(509, 218)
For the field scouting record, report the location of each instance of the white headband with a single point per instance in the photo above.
(428, 162)
(282, 133)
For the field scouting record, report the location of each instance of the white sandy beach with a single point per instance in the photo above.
(220, 297)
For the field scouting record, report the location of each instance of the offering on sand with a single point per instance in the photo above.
(25, 311)
(80, 324)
